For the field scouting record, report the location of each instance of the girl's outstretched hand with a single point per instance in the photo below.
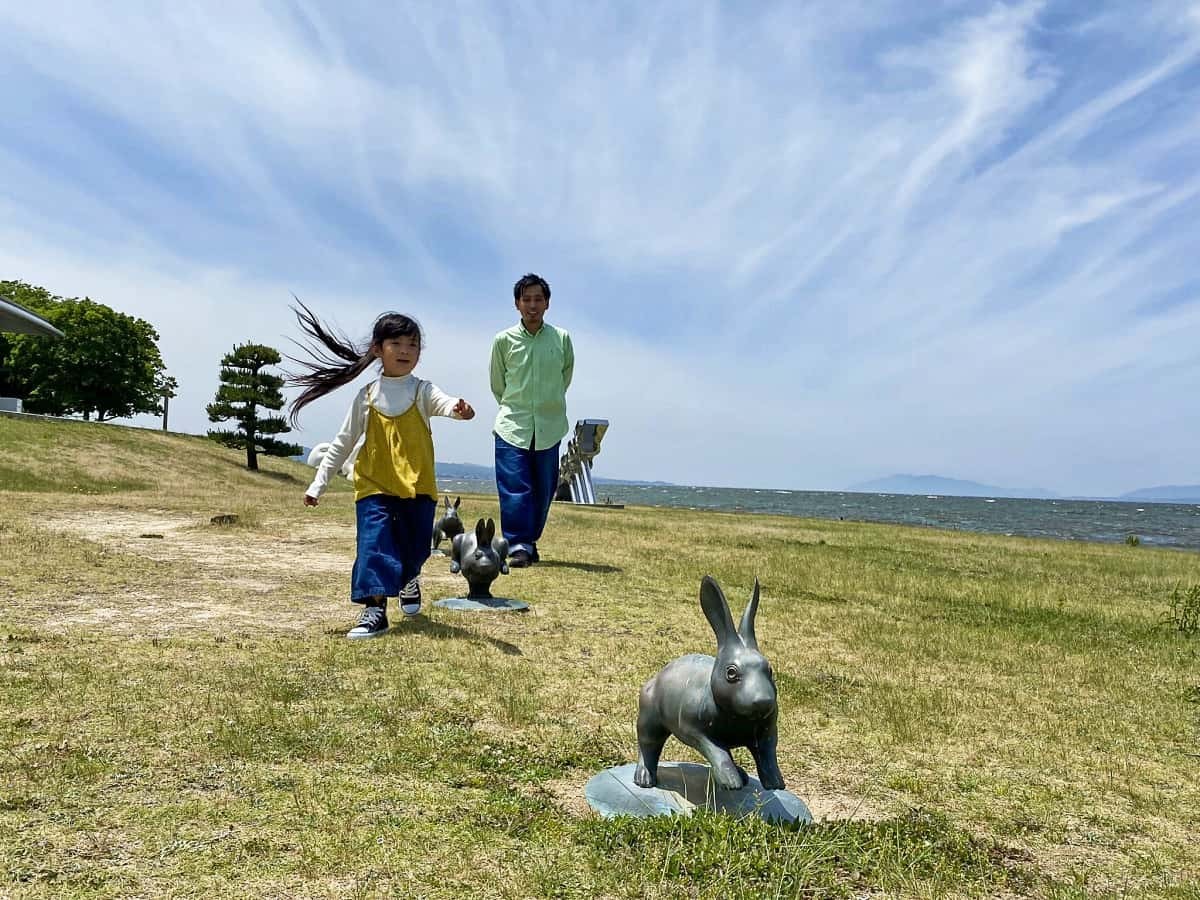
(310, 500)
(463, 409)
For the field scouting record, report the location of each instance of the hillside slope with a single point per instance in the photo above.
(55, 456)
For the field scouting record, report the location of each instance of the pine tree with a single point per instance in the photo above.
(244, 388)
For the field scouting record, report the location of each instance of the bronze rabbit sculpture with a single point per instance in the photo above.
(449, 525)
(481, 557)
(714, 704)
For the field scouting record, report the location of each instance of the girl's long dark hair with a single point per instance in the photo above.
(335, 360)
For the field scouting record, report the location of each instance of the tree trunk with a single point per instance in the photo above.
(251, 430)
(251, 453)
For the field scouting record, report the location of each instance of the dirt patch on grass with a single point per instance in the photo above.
(567, 794)
(218, 578)
(835, 807)
(209, 578)
(169, 537)
(151, 615)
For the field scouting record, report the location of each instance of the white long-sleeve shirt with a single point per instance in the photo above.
(392, 396)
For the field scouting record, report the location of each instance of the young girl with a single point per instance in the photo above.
(394, 486)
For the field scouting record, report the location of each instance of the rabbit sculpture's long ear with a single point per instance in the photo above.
(446, 500)
(746, 629)
(488, 533)
(457, 500)
(716, 610)
(480, 531)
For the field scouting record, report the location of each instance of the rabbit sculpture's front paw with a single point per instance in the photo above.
(729, 776)
(643, 777)
(772, 781)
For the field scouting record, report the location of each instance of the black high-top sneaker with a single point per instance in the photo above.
(410, 598)
(372, 622)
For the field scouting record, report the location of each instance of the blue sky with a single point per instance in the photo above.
(797, 245)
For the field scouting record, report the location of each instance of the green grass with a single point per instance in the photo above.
(968, 715)
(14, 479)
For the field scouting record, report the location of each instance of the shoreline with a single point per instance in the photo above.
(1174, 526)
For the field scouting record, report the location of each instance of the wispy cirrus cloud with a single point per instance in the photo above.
(816, 244)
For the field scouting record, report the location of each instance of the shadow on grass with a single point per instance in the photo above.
(597, 568)
(284, 477)
(442, 632)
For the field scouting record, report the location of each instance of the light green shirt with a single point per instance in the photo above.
(530, 376)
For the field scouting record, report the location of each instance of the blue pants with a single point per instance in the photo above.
(526, 481)
(394, 535)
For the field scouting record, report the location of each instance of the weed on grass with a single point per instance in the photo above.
(1184, 612)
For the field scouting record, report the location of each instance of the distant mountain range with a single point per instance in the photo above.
(472, 472)
(954, 487)
(465, 471)
(893, 484)
(946, 487)
(1167, 493)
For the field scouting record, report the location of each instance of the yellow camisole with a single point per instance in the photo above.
(397, 455)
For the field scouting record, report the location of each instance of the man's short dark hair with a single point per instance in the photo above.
(531, 280)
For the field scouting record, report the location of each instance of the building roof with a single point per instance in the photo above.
(18, 319)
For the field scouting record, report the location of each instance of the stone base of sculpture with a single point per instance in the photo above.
(684, 787)
(482, 604)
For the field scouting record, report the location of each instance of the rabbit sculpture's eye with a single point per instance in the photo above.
(732, 674)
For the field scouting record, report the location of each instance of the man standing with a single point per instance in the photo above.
(531, 370)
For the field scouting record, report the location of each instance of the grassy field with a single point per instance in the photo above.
(966, 715)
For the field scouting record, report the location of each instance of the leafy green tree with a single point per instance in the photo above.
(244, 388)
(32, 298)
(107, 363)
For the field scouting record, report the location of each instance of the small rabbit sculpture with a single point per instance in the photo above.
(449, 525)
(481, 557)
(713, 704)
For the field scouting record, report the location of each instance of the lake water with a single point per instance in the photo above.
(1155, 524)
